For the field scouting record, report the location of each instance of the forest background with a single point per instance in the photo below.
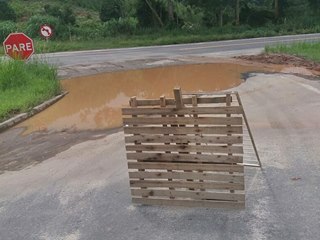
(94, 24)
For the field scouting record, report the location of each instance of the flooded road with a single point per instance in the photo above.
(94, 102)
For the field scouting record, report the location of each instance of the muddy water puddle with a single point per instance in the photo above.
(94, 102)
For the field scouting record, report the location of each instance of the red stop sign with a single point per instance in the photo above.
(18, 46)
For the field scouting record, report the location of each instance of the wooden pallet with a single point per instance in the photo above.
(186, 151)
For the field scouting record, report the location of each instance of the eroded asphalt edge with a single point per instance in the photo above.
(23, 116)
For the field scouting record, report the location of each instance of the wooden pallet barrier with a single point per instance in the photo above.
(186, 151)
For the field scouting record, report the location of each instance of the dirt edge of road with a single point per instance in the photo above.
(283, 59)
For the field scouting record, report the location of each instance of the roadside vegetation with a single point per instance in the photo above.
(25, 85)
(310, 51)
(82, 24)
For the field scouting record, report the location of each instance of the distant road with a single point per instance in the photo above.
(228, 47)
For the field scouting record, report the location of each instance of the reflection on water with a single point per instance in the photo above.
(94, 102)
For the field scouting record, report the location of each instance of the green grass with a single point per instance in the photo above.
(156, 37)
(310, 51)
(25, 85)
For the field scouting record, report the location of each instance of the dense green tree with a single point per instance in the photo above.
(151, 13)
(7, 13)
(315, 6)
(214, 10)
(237, 12)
(122, 16)
(67, 16)
(111, 9)
(92, 4)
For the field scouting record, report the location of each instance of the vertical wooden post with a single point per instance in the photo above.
(178, 97)
(179, 104)
(228, 103)
(134, 104)
(163, 105)
(195, 104)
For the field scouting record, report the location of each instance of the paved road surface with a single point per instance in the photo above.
(230, 47)
(83, 193)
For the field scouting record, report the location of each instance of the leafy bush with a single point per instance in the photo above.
(52, 10)
(65, 15)
(92, 4)
(111, 9)
(125, 26)
(89, 29)
(34, 23)
(6, 28)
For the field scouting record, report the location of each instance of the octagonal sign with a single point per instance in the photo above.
(18, 46)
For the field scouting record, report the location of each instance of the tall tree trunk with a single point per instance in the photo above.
(170, 10)
(237, 12)
(276, 9)
(154, 12)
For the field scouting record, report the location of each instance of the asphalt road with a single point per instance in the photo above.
(229, 47)
(83, 192)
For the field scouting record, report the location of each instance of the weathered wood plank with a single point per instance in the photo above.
(183, 130)
(187, 166)
(190, 203)
(178, 97)
(184, 120)
(188, 175)
(170, 101)
(187, 184)
(176, 157)
(182, 111)
(196, 195)
(187, 148)
(184, 139)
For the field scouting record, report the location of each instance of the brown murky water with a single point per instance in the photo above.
(94, 102)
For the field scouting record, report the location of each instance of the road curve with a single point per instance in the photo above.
(166, 51)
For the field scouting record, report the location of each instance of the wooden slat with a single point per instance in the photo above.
(190, 203)
(186, 184)
(170, 101)
(182, 111)
(183, 130)
(186, 148)
(196, 195)
(187, 166)
(184, 139)
(188, 175)
(184, 120)
(175, 157)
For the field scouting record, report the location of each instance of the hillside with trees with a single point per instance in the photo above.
(179, 20)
